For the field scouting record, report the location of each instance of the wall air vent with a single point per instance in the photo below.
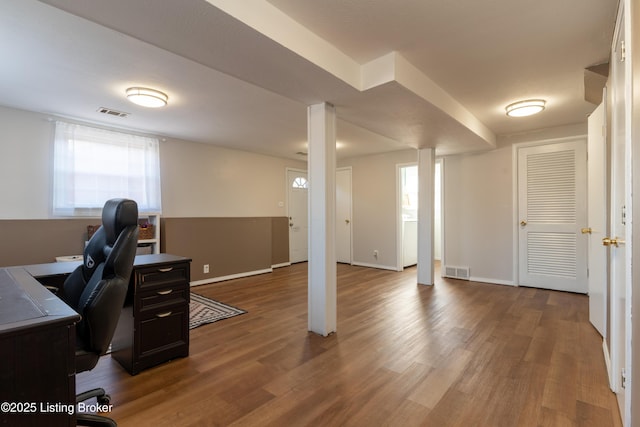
(456, 272)
(110, 112)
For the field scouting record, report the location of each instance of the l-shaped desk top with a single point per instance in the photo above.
(64, 268)
(25, 303)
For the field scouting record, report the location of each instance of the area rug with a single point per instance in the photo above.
(204, 310)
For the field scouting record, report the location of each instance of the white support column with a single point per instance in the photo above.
(321, 122)
(426, 193)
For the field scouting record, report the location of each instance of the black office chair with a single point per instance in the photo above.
(97, 290)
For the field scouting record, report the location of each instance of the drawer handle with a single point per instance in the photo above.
(167, 314)
(167, 292)
(165, 270)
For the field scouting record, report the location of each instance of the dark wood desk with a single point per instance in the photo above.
(154, 324)
(37, 353)
(37, 334)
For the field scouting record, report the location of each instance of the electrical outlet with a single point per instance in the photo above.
(206, 268)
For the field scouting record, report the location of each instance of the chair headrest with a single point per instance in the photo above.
(118, 214)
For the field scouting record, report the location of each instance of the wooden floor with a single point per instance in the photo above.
(455, 354)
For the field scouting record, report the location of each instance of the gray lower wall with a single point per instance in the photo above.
(229, 245)
(39, 241)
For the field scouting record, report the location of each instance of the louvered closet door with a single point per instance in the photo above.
(552, 193)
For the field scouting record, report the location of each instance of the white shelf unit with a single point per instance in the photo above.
(152, 243)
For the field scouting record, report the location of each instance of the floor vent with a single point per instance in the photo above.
(456, 272)
(111, 112)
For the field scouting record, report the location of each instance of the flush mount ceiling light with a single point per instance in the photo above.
(147, 97)
(525, 108)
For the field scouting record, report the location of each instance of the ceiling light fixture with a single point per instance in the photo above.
(525, 108)
(147, 97)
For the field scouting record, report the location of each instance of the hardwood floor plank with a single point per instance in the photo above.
(542, 345)
(456, 354)
(408, 413)
(560, 391)
(438, 382)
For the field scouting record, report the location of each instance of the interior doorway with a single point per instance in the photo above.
(438, 218)
(408, 183)
(297, 203)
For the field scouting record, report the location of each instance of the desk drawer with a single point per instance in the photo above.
(154, 325)
(162, 276)
(162, 297)
(163, 330)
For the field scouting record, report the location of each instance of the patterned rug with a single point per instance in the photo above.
(204, 310)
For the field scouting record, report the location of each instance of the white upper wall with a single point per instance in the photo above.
(25, 164)
(478, 214)
(198, 180)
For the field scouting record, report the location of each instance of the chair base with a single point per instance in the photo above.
(92, 420)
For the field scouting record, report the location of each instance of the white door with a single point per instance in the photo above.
(343, 215)
(298, 215)
(597, 219)
(618, 226)
(552, 205)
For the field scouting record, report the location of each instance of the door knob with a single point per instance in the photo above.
(586, 230)
(290, 224)
(612, 242)
(523, 222)
(346, 221)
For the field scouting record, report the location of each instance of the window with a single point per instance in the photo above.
(300, 182)
(93, 165)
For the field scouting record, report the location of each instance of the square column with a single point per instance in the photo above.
(321, 122)
(426, 194)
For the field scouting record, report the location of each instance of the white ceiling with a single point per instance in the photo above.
(241, 74)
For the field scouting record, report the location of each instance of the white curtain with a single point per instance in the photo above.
(93, 165)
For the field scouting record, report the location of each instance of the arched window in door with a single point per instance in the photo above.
(300, 182)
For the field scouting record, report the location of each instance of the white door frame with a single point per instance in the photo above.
(515, 193)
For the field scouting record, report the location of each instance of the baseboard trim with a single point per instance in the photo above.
(492, 281)
(382, 267)
(230, 277)
(283, 264)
